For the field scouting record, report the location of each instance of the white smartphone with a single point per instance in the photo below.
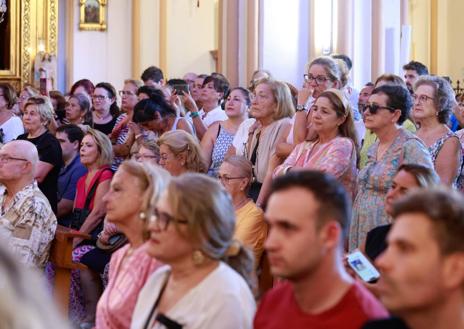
(363, 268)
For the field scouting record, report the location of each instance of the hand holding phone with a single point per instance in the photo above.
(363, 267)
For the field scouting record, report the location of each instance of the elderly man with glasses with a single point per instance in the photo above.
(27, 222)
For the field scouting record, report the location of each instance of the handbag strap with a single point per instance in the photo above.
(155, 305)
(93, 189)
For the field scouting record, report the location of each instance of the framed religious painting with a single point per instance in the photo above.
(9, 42)
(92, 15)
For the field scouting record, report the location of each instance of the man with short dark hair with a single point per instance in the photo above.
(153, 76)
(422, 270)
(308, 214)
(27, 222)
(412, 71)
(70, 138)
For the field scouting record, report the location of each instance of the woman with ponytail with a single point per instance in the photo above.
(208, 278)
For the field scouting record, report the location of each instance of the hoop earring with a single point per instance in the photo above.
(198, 257)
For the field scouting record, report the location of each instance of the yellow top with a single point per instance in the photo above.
(251, 229)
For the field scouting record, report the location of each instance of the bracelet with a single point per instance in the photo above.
(194, 115)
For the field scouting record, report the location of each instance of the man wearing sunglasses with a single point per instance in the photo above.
(27, 222)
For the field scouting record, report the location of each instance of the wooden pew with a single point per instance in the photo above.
(61, 258)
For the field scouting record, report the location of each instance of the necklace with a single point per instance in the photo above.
(241, 203)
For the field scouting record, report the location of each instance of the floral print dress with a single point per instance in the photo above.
(376, 178)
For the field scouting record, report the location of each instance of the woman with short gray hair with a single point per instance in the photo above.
(37, 115)
(433, 103)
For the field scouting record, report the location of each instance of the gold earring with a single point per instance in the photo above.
(198, 257)
(142, 216)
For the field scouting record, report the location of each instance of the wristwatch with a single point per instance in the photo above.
(300, 108)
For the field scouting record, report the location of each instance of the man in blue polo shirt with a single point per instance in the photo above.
(70, 137)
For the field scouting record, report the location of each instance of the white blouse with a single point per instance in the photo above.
(222, 300)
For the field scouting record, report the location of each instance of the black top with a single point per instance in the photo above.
(392, 323)
(105, 128)
(376, 241)
(49, 150)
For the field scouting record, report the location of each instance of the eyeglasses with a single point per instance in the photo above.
(125, 93)
(163, 219)
(98, 97)
(141, 157)
(6, 159)
(320, 79)
(227, 179)
(421, 98)
(374, 108)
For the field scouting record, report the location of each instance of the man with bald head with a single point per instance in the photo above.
(27, 222)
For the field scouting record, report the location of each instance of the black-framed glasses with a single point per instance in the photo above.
(226, 179)
(162, 219)
(320, 79)
(374, 108)
(6, 158)
(421, 98)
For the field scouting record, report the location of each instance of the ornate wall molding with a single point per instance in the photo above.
(26, 41)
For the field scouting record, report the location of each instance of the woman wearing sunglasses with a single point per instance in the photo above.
(433, 103)
(207, 278)
(386, 110)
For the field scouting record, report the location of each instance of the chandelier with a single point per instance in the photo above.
(2, 10)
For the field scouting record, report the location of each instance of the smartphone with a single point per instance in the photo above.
(181, 88)
(363, 268)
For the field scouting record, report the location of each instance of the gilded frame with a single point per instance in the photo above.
(12, 74)
(92, 19)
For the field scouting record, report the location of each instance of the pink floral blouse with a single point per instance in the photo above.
(336, 157)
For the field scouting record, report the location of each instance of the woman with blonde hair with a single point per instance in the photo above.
(38, 114)
(272, 107)
(129, 206)
(89, 210)
(207, 281)
(180, 153)
(334, 148)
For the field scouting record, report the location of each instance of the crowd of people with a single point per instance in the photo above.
(204, 205)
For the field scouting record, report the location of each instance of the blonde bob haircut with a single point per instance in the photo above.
(105, 149)
(44, 107)
(206, 205)
(152, 180)
(181, 142)
(282, 97)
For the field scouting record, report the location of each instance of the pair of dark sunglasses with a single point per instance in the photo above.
(374, 108)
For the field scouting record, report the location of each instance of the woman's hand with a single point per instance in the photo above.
(189, 103)
(304, 94)
(134, 128)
